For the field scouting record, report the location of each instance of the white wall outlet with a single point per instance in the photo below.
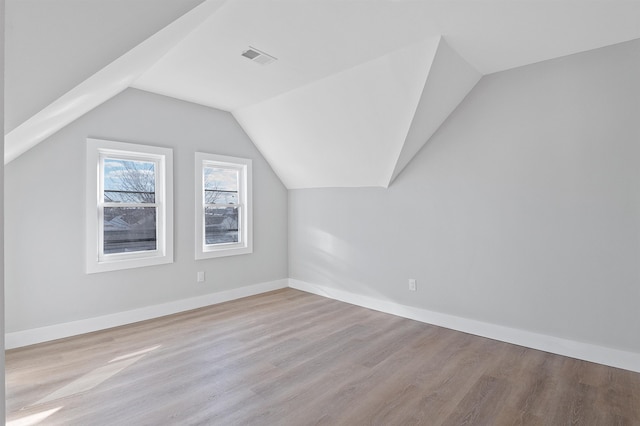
(412, 284)
(201, 276)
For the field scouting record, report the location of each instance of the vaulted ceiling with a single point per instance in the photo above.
(357, 89)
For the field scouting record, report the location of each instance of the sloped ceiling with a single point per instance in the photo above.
(358, 88)
(55, 44)
(358, 120)
(102, 85)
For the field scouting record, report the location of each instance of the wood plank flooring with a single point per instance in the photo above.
(291, 358)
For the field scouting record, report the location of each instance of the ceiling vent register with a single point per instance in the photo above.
(258, 56)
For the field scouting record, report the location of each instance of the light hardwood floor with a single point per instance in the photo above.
(291, 358)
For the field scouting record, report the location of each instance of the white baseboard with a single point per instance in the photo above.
(579, 350)
(59, 331)
(584, 351)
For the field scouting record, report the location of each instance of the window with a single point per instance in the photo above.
(223, 206)
(129, 205)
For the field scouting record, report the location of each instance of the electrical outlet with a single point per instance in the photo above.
(200, 278)
(412, 284)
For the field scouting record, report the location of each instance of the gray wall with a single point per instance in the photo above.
(45, 275)
(2, 15)
(523, 210)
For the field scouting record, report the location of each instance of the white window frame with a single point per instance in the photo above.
(245, 220)
(97, 151)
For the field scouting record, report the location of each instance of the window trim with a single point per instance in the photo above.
(245, 246)
(96, 260)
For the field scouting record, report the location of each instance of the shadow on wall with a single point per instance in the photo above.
(330, 259)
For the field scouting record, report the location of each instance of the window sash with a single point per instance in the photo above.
(243, 169)
(102, 256)
(240, 185)
(239, 231)
(102, 205)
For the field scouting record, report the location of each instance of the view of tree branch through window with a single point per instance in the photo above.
(129, 206)
(223, 206)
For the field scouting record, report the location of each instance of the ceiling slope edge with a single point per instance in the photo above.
(106, 83)
(449, 81)
(345, 130)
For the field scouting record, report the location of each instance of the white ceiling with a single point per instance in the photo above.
(316, 38)
(358, 119)
(357, 88)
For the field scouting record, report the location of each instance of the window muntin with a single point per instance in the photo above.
(223, 206)
(129, 221)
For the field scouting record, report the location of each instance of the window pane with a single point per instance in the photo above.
(221, 225)
(129, 181)
(220, 185)
(129, 229)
